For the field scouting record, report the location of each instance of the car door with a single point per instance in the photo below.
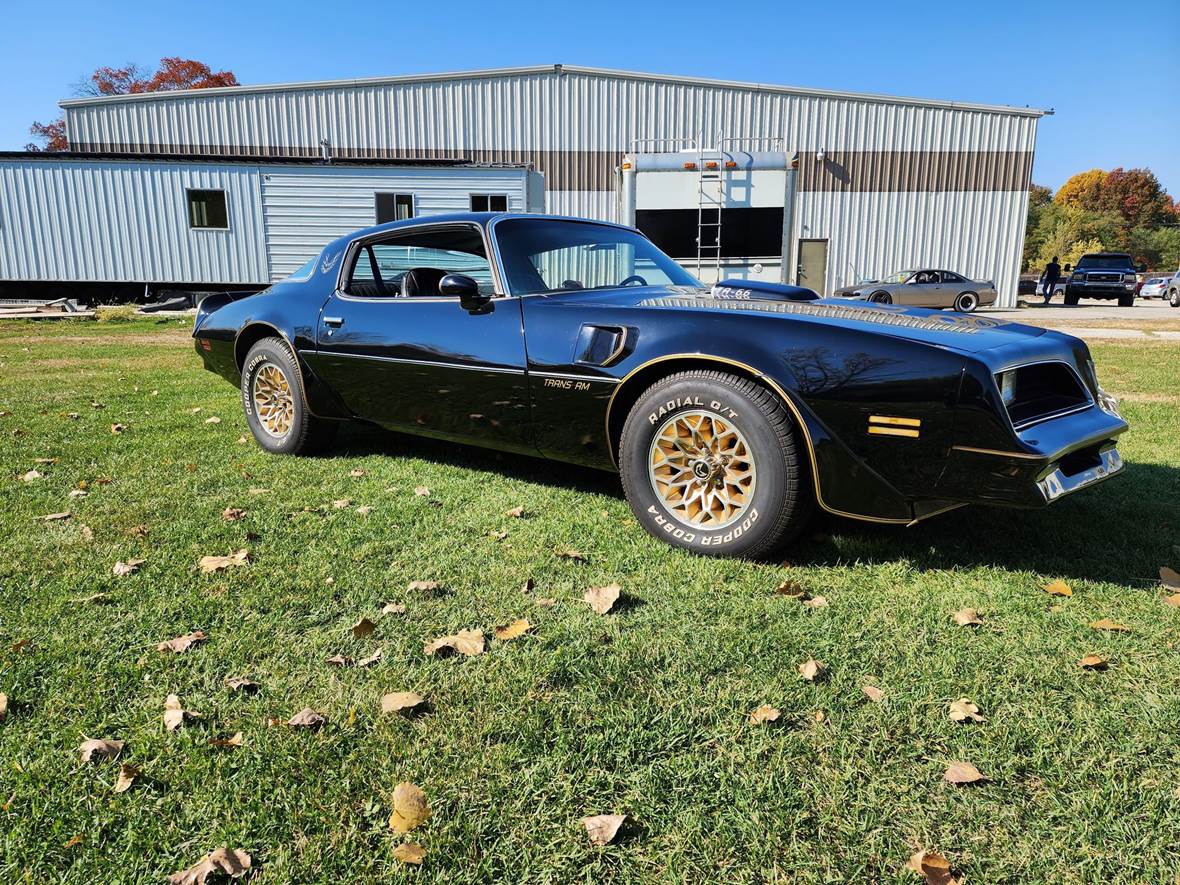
(402, 355)
(926, 289)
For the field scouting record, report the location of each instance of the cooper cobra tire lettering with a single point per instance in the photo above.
(759, 517)
(307, 434)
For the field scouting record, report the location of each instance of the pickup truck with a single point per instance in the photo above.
(1104, 275)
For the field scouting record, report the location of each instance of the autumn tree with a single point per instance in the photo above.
(1083, 190)
(173, 73)
(1136, 194)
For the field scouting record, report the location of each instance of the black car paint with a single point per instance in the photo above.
(514, 375)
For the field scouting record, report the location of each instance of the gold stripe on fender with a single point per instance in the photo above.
(893, 431)
(897, 422)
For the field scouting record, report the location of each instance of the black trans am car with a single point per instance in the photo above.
(730, 413)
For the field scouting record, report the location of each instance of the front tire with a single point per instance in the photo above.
(275, 405)
(966, 302)
(1071, 298)
(1127, 300)
(711, 462)
(1174, 298)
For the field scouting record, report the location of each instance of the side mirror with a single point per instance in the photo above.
(1142, 268)
(467, 290)
(1068, 268)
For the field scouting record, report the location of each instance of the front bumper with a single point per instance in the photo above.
(1099, 290)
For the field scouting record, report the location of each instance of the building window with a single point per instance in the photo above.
(206, 209)
(489, 202)
(394, 207)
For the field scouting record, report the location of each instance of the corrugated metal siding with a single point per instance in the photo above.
(306, 207)
(128, 222)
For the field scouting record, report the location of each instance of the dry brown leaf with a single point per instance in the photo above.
(1110, 626)
(21, 644)
(811, 669)
(356, 473)
(497, 535)
(792, 589)
(575, 555)
(3, 706)
(306, 718)
(873, 693)
(242, 684)
(515, 513)
(338, 661)
(410, 852)
(1058, 588)
(236, 740)
(1093, 662)
(765, 713)
(410, 808)
(1169, 577)
(962, 710)
(94, 749)
(465, 642)
(86, 532)
(362, 628)
(364, 510)
(233, 863)
(399, 701)
(183, 643)
(175, 715)
(511, 631)
(46, 460)
(816, 602)
(78, 493)
(232, 514)
(70, 842)
(56, 517)
(962, 773)
(602, 828)
(213, 419)
(1173, 600)
(422, 491)
(127, 775)
(341, 503)
(210, 564)
(546, 601)
(138, 531)
(967, 617)
(32, 475)
(371, 659)
(130, 567)
(932, 867)
(393, 608)
(424, 587)
(602, 599)
(118, 428)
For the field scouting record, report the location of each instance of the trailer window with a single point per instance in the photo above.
(394, 207)
(745, 233)
(489, 202)
(206, 209)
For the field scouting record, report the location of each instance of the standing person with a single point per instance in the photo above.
(1049, 279)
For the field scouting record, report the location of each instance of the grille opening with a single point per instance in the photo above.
(1043, 390)
(1076, 462)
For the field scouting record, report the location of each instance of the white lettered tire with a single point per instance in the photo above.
(711, 462)
(274, 403)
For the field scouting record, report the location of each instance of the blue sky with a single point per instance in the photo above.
(1111, 70)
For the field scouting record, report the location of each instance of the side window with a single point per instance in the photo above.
(948, 277)
(393, 207)
(206, 209)
(489, 202)
(413, 264)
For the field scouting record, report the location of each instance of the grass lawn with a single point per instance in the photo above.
(643, 712)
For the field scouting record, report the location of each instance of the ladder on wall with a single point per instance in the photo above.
(710, 202)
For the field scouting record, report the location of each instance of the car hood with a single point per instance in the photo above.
(962, 332)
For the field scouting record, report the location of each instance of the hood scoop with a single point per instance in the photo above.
(750, 290)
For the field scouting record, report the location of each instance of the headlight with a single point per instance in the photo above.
(1128, 278)
(1007, 387)
(1078, 276)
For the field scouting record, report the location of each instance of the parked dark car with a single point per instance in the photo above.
(1105, 275)
(731, 412)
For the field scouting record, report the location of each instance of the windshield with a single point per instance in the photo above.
(899, 276)
(543, 255)
(1105, 262)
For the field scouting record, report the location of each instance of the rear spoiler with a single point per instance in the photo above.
(744, 290)
(214, 302)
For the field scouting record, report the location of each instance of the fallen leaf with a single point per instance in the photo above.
(78, 493)
(424, 586)
(213, 420)
(962, 710)
(94, 749)
(515, 513)
(511, 631)
(546, 601)
(602, 599)
(818, 716)
(1093, 662)
(338, 661)
(1058, 588)
(1173, 600)
(127, 775)
(240, 683)
(196, 409)
(575, 555)
(3, 706)
(815, 602)
(765, 713)
(811, 669)
(497, 536)
(1111, 626)
(967, 617)
(73, 416)
(465, 642)
(873, 693)
(210, 564)
(259, 492)
(356, 473)
(86, 532)
(393, 608)
(341, 503)
(397, 701)
(371, 659)
(130, 567)
(1170, 577)
(46, 460)
(236, 740)
(792, 589)
(118, 428)
(962, 773)
(410, 852)
(32, 475)
(364, 510)
(20, 645)
(233, 863)
(242, 440)
(175, 715)
(232, 514)
(183, 643)
(932, 867)
(362, 628)
(56, 517)
(138, 531)
(422, 491)
(70, 842)
(602, 828)
(410, 808)
(306, 718)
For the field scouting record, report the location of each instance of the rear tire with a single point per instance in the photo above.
(710, 462)
(1174, 298)
(966, 302)
(274, 402)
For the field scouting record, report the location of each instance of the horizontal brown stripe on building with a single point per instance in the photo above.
(839, 171)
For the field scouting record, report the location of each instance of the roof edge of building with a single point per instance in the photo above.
(255, 159)
(558, 69)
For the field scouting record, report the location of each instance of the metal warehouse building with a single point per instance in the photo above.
(880, 183)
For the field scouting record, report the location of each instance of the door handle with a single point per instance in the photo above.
(335, 322)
